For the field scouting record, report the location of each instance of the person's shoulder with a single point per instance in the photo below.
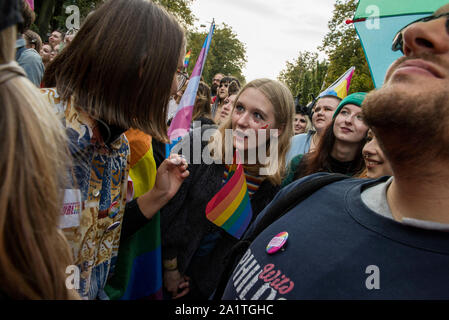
(30, 55)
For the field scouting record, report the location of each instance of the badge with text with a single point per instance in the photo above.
(277, 243)
(71, 210)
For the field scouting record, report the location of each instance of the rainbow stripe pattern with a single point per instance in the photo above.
(340, 87)
(187, 59)
(180, 124)
(230, 209)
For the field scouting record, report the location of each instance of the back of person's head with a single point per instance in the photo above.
(33, 252)
(229, 79)
(234, 87)
(28, 16)
(33, 40)
(121, 65)
(202, 103)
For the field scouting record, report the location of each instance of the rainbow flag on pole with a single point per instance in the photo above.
(340, 87)
(230, 208)
(187, 59)
(180, 124)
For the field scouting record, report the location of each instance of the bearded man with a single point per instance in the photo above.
(372, 239)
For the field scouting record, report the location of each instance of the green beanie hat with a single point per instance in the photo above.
(355, 98)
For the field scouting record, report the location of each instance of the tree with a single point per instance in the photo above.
(227, 54)
(304, 76)
(180, 9)
(51, 15)
(344, 50)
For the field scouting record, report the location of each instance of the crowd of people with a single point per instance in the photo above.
(88, 182)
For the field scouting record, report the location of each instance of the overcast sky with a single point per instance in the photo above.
(273, 31)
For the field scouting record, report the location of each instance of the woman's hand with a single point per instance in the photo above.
(175, 283)
(170, 175)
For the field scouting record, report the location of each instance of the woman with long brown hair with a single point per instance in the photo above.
(34, 254)
(118, 73)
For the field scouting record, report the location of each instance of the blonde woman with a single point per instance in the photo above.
(193, 248)
(34, 254)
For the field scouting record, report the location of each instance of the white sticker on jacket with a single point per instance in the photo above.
(71, 210)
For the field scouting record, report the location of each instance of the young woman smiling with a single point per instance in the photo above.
(194, 248)
(377, 165)
(340, 149)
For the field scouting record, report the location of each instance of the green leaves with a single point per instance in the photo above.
(344, 50)
(304, 76)
(180, 9)
(227, 54)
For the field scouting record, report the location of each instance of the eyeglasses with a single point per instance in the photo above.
(398, 40)
(181, 77)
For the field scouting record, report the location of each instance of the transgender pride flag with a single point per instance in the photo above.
(180, 124)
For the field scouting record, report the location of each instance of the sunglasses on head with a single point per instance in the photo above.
(398, 40)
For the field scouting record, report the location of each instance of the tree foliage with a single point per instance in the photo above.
(227, 54)
(344, 50)
(304, 76)
(180, 9)
(51, 15)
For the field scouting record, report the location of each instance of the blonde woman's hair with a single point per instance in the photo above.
(284, 110)
(34, 254)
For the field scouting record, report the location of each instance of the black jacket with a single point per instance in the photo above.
(184, 224)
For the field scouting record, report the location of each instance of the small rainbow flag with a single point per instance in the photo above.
(230, 208)
(340, 87)
(187, 59)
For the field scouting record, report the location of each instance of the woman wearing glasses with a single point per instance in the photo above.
(106, 84)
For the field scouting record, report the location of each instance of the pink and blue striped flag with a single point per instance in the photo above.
(180, 124)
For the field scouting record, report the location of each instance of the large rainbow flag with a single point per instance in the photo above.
(180, 124)
(230, 208)
(340, 87)
(138, 270)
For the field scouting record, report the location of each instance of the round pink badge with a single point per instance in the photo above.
(277, 242)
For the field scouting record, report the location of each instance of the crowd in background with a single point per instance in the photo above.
(87, 180)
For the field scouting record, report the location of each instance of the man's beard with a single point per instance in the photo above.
(412, 127)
